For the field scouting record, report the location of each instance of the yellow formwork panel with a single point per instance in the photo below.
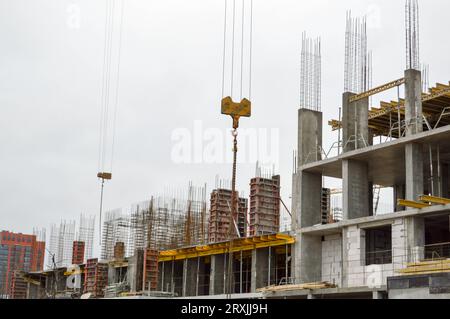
(237, 245)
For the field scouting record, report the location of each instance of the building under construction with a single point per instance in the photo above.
(169, 247)
(165, 222)
(264, 215)
(221, 226)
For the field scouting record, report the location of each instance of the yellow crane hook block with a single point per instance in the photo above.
(236, 110)
(105, 176)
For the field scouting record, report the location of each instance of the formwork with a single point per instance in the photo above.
(150, 272)
(78, 252)
(325, 206)
(219, 223)
(18, 287)
(96, 278)
(264, 206)
(119, 251)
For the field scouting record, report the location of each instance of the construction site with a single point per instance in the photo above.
(198, 243)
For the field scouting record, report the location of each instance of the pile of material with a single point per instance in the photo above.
(308, 286)
(427, 267)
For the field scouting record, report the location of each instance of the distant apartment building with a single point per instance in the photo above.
(18, 252)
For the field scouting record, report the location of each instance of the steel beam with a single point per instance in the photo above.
(412, 204)
(377, 90)
(435, 200)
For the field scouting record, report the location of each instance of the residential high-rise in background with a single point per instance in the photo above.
(18, 253)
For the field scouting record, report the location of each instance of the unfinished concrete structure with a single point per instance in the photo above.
(78, 252)
(219, 219)
(257, 262)
(264, 214)
(364, 249)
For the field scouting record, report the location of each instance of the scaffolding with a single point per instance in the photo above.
(161, 223)
(116, 228)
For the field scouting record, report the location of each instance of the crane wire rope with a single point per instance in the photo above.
(106, 96)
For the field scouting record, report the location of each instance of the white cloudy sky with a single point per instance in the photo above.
(51, 76)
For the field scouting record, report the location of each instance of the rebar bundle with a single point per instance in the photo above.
(61, 241)
(358, 61)
(86, 234)
(311, 74)
(412, 35)
(425, 78)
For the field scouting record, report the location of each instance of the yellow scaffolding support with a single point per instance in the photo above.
(412, 204)
(435, 200)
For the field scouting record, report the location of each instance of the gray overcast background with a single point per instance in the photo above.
(50, 84)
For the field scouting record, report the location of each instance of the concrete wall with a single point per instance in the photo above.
(415, 293)
(308, 259)
(356, 273)
(332, 259)
(356, 190)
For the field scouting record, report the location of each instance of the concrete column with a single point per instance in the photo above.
(371, 135)
(399, 193)
(308, 199)
(356, 187)
(371, 207)
(189, 277)
(161, 274)
(309, 136)
(135, 271)
(414, 171)
(445, 181)
(112, 278)
(308, 259)
(307, 187)
(295, 208)
(217, 276)
(415, 227)
(413, 102)
(355, 123)
(260, 266)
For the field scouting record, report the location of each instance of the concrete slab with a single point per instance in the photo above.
(386, 161)
(380, 220)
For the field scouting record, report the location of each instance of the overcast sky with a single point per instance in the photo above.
(171, 69)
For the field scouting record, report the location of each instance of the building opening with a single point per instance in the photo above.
(437, 237)
(379, 245)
